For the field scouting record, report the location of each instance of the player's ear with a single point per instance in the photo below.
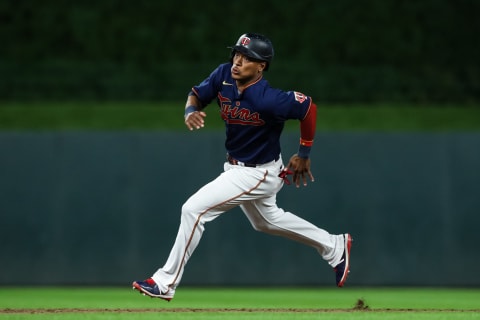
(262, 66)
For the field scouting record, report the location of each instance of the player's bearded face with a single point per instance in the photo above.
(246, 70)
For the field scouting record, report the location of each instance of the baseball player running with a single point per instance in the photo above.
(254, 115)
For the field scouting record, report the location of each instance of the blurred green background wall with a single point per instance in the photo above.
(104, 208)
(336, 51)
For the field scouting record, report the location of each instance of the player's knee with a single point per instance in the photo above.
(188, 210)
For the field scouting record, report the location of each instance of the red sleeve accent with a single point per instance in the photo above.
(308, 125)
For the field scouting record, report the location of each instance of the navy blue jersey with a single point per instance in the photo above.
(255, 118)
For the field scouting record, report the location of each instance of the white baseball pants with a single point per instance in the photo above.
(254, 190)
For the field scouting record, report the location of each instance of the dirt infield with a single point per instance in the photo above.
(233, 310)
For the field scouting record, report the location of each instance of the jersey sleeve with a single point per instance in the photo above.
(293, 105)
(207, 90)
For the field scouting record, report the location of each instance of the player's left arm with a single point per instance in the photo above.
(300, 162)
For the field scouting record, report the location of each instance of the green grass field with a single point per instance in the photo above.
(169, 116)
(240, 303)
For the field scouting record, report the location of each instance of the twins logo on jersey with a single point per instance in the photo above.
(300, 97)
(238, 115)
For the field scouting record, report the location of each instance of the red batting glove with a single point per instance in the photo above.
(284, 175)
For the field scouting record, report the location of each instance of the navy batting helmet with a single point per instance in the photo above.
(254, 46)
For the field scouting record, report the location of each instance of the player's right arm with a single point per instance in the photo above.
(194, 116)
(201, 95)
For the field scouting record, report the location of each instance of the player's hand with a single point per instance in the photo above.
(301, 170)
(194, 120)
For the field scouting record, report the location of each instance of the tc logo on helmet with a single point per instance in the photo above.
(245, 41)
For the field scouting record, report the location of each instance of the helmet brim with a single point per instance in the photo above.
(247, 52)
